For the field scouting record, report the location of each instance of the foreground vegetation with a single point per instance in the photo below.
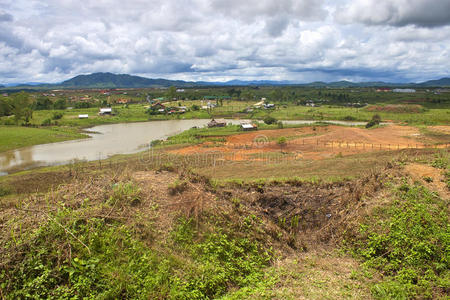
(128, 229)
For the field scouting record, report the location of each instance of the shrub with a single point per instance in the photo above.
(376, 119)
(349, 118)
(177, 187)
(46, 122)
(57, 115)
(125, 194)
(408, 241)
(269, 120)
(4, 190)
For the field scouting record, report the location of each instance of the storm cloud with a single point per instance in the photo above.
(216, 40)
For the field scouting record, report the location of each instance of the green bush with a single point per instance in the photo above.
(57, 115)
(269, 120)
(46, 122)
(376, 119)
(408, 242)
(4, 190)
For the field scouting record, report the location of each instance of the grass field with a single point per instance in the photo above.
(13, 137)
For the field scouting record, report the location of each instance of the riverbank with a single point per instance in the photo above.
(14, 137)
(69, 126)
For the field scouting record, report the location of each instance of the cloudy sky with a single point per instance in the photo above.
(219, 40)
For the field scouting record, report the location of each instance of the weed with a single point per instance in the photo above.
(428, 179)
(4, 190)
(125, 194)
(177, 187)
(408, 241)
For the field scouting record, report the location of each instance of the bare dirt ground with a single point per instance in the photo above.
(430, 177)
(315, 142)
(441, 129)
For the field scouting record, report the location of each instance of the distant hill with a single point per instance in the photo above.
(438, 83)
(110, 80)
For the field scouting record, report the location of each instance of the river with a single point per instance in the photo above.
(105, 141)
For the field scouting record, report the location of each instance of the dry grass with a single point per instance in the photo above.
(321, 275)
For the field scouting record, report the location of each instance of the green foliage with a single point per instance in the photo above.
(408, 242)
(5, 106)
(82, 105)
(222, 261)
(60, 104)
(441, 161)
(21, 107)
(376, 119)
(269, 120)
(70, 256)
(42, 103)
(125, 194)
(177, 187)
(57, 115)
(4, 190)
(46, 122)
(349, 118)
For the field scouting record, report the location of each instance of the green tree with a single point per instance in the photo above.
(247, 95)
(60, 104)
(5, 106)
(171, 93)
(42, 103)
(269, 120)
(276, 95)
(21, 107)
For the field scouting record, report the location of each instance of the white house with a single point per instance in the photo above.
(105, 111)
(404, 90)
(83, 116)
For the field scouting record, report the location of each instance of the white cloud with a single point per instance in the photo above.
(216, 39)
(423, 13)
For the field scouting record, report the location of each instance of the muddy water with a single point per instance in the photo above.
(105, 141)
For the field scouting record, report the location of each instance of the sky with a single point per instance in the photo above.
(220, 40)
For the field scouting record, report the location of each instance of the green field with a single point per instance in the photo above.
(13, 137)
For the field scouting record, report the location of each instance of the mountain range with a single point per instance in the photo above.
(110, 80)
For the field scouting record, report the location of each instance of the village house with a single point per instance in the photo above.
(105, 111)
(248, 126)
(404, 90)
(217, 123)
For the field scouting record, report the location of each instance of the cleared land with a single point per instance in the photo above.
(316, 142)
